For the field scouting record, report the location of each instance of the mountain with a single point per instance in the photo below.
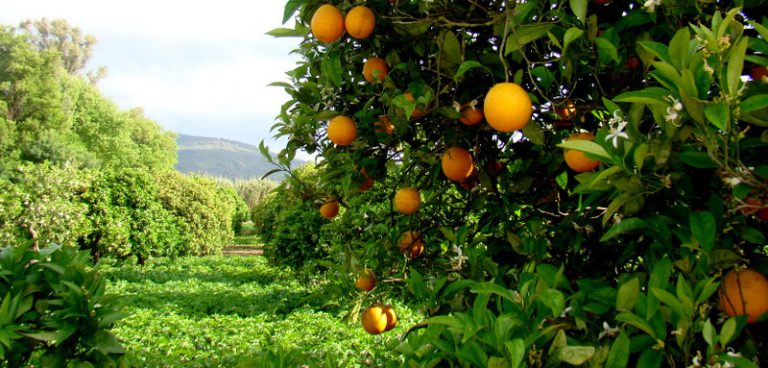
(223, 158)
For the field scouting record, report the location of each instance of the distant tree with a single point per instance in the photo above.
(75, 47)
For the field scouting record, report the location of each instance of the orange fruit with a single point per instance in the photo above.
(566, 111)
(342, 130)
(577, 160)
(383, 125)
(366, 281)
(418, 112)
(367, 182)
(471, 116)
(457, 164)
(375, 68)
(374, 319)
(411, 244)
(763, 214)
(507, 107)
(758, 73)
(744, 292)
(327, 24)
(329, 209)
(407, 201)
(391, 317)
(359, 22)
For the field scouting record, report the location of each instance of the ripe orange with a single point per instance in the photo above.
(471, 116)
(383, 125)
(342, 130)
(367, 183)
(374, 319)
(391, 317)
(507, 107)
(411, 244)
(329, 209)
(457, 164)
(566, 110)
(758, 73)
(375, 68)
(418, 112)
(407, 201)
(359, 22)
(577, 160)
(744, 292)
(327, 24)
(366, 281)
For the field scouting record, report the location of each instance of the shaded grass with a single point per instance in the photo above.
(220, 311)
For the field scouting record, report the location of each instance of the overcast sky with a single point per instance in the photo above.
(196, 67)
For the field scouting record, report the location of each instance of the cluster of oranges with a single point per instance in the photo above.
(506, 108)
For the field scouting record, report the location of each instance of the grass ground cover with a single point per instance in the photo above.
(222, 311)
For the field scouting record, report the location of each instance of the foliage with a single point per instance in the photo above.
(528, 263)
(128, 219)
(288, 221)
(40, 203)
(224, 311)
(74, 47)
(253, 191)
(54, 311)
(205, 211)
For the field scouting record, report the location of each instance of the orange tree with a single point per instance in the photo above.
(612, 258)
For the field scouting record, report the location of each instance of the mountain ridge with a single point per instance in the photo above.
(221, 157)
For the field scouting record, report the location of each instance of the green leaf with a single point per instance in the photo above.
(659, 278)
(703, 229)
(627, 296)
(516, 351)
(572, 34)
(736, 65)
(678, 48)
(650, 358)
(635, 321)
(718, 115)
(469, 65)
(587, 147)
(649, 96)
(492, 288)
(618, 357)
(696, 159)
(667, 298)
(575, 355)
(728, 331)
(656, 49)
(554, 299)
(579, 8)
(709, 333)
(753, 235)
(284, 32)
(753, 103)
(450, 50)
(534, 133)
(498, 362)
(625, 226)
(290, 8)
(607, 50)
(331, 69)
(562, 180)
(522, 35)
(448, 321)
(107, 343)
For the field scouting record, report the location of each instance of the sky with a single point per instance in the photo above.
(195, 67)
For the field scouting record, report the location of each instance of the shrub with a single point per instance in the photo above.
(205, 212)
(40, 202)
(54, 309)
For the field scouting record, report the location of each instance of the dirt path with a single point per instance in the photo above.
(243, 250)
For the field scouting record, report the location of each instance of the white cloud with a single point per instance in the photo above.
(196, 67)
